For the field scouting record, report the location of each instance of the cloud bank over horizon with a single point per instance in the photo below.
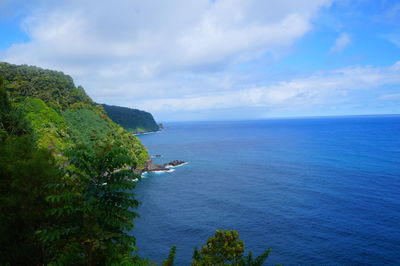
(190, 60)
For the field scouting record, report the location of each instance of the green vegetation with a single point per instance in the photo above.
(62, 115)
(66, 173)
(92, 209)
(171, 257)
(87, 125)
(25, 170)
(53, 87)
(225, 248)
(49, 128)
(134, 120)
(90, 124)
(75, 213)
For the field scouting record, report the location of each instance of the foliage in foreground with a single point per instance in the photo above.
(171, 257)
(93, 209)
(24, 172)
(79, 215)
(225, 248)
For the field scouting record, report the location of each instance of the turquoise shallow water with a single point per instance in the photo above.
(318, 191)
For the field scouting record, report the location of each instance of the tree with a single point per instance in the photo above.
(93, 208)
(171, 257)
(12, 122)
(24, 172)
(225, 248)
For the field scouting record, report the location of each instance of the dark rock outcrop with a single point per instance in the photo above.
(151, 167)
(174, 163)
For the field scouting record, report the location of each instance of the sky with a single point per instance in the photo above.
(186, 60)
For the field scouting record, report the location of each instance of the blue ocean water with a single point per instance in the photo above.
(318, 191)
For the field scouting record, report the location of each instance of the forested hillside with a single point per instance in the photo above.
(133, 120)
(62, 115)
(64, 199)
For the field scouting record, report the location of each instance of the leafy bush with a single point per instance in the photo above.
(225, 248)
(25, 170)
(93, 209)
(49, 128)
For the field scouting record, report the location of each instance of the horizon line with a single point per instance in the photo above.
(282, 117)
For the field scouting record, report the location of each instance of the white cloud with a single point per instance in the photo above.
(133, 48)
(180, 55)
(174, 34)
(328, 88)
(341, 43)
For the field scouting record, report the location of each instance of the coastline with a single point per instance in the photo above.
(151, 167)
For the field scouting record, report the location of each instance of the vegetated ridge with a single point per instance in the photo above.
(133, 120)
(61, 114)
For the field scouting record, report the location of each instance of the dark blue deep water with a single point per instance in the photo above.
(318, 191)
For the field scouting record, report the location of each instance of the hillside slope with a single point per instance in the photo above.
(133, 120)
(62, 115)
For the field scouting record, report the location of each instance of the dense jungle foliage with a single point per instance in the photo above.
(133, 120)
(75, 213)
(53, 87)
(66, 180)
(62, 115)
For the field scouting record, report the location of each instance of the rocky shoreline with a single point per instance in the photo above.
(151, 167)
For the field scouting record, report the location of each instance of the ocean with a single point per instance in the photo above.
(317, 191)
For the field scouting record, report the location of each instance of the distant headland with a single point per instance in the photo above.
(133, 120)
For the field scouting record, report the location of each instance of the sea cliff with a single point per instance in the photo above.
(133, 120)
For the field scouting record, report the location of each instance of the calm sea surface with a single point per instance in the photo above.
(318, 191)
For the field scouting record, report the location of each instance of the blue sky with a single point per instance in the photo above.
(215, 60)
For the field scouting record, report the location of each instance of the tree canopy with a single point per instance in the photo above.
(62, 115)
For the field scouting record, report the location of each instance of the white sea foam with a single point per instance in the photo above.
(170, 170)
(171, 166)
(145, 174)
(163, 171)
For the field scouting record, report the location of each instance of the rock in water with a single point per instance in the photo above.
(152, 167)
(174, 163)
